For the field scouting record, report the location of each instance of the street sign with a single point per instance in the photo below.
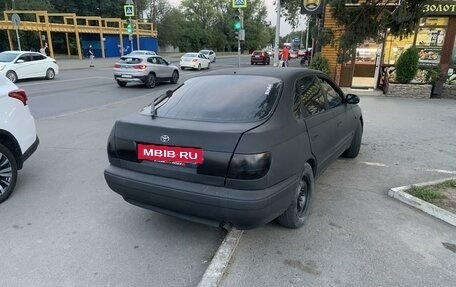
(129, 2)
(129, 10)
(16, 20)
(239, 3)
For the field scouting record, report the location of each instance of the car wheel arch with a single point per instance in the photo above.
(10, 142)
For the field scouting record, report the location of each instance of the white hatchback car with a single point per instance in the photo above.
(16, 65)
(194, 61)
(18, 139)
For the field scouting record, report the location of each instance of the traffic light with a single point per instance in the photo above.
(129, 26)
(237, 19)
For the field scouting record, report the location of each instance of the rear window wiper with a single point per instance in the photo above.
(153, 110)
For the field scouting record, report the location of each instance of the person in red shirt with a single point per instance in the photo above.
(285, 56)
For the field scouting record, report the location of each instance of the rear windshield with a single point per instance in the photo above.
(191, 55)
(7, 57)
(223, 98)
(130, 60)
(257, 53)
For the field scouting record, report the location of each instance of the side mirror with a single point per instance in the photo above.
(352, 99)
(20, 61)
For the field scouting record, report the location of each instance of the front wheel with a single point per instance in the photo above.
(199, 67)
(175, 77)
(355, 146)
(296, 213)
(208, 66)
(50, 74)
(8, 173)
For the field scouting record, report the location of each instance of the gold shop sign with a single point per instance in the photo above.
(440, 7)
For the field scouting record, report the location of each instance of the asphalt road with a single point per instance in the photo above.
(64, 227)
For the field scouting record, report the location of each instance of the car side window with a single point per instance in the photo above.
(160, 61)
(309, 98)
(37, 57)
(152, 60)
(25, 57)
(334, 98)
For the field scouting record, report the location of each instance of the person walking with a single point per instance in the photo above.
(91, 56)
(285, 56)
(46, 50)
(42, 50)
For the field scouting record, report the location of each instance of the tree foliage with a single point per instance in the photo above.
(371, 18)
(407, 65)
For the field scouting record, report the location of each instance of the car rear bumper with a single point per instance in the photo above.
(133, 78)
(244, 209)
(258, 60)
(192, 65)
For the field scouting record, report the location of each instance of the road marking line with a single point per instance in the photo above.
(439, 170)
(222, 257)
(374, 163)
(63, 81)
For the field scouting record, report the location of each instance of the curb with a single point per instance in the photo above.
(214, 272)
(440, 213)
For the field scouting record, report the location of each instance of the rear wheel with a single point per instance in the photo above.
(175, 77)
(214, 59)
(121, 84)
(355, 146)
(11, 75)
(251, 63)
(8, 173)
(150, 81)
(296, 213)
(199, 67)
(208, 66)
(50, 74)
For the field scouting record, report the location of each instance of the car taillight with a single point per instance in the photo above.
(20, 95)
(194, 60)
(249, 166)
(116, 65)
(262, 54)
(140, 67)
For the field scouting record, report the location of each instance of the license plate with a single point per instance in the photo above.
(257, 56)
(126, 76)
(162, 153)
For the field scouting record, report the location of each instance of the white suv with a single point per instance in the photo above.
(18, 139)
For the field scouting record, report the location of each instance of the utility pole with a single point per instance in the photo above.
(277, 36)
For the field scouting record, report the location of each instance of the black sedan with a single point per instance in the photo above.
(235, 147)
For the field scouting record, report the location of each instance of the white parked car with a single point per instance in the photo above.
(142, 52)
(17, 65)
(209, 54)
(194, 61)
(18, 139)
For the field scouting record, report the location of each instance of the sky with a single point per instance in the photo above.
(285, 28)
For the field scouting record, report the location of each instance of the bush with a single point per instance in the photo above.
(319, 62)
(407, 65)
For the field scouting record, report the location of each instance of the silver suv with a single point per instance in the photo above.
(146, 69)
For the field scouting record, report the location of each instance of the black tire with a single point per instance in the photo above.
(175, 77)
(296, 213)
(8, 173)
(150, 81)
(12, 76)
(251, 63)
(208, 66)
(50, 74)
(355, 146)
(121, 84)
(267, 63)
(182, 68)
(199, 67)
(214, 59)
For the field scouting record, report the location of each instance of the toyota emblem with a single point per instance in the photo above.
(164, 138)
